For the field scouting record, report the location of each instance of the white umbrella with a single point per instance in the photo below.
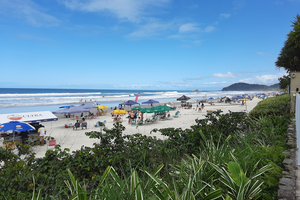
(164, 101)
(190, 101)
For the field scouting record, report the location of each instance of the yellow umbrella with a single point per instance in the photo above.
(102, 106)
(120, 111)
(123, 112)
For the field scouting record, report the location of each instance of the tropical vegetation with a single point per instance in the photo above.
(290, 53)
(224, 156)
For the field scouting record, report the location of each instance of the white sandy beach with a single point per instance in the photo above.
(75, 139)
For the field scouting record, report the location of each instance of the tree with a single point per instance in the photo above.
(284, 81)
(290, 53)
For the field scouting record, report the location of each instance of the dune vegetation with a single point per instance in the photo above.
(224, 156)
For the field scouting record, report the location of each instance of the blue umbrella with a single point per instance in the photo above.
(237, 97)
(16, 126)
(66, 106)
(150, 101)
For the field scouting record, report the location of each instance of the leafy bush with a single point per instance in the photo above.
(274, 106)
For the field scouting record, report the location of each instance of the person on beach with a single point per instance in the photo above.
(84, 123)
(116, 118)
(42, 133)
(77, 125)
(202, 106)
(178, 113)
(129, 117)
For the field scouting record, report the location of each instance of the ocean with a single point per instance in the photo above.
(18, 100)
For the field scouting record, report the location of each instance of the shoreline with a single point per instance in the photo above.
(75, 139)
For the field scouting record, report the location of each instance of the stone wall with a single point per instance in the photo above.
(287, 184)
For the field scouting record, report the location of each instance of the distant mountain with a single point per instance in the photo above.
(249, 87)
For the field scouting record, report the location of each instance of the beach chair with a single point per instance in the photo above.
(176, 115)
(133, 122)
(97, 124)
(154, 118)
(84, 125)
(92, 117)
(76, 126)
(105, 112)
(140, 122)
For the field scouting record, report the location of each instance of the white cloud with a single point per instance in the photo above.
(228, 75)
(152, 28)
(209, 29)
(189, 27)
(131, 10)
(224, 16)
(265, 54)
(267, 79)
(29, 11)
(211, 83)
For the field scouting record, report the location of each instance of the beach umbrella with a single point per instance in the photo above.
(183, 98)
(137, 108)
(146, 110)
(163, 108)
(164, 101)
(237, 97)
(150, 101)
(102, 106)
(190, 101)
(120, 111)
(16, 126)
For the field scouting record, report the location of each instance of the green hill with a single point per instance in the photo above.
(249, 87)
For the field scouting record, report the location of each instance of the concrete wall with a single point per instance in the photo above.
(294, 88)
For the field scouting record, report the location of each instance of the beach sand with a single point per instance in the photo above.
(75, 139)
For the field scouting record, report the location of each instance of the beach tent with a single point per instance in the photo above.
(183, 98)
(70, 110)
(29, 117)
(129, 103)
(88, 105)
(150, 101)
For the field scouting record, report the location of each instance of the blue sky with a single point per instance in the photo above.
(142, 44)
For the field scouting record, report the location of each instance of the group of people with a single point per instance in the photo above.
(200, 107)
(132, 116)
(77, 124)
